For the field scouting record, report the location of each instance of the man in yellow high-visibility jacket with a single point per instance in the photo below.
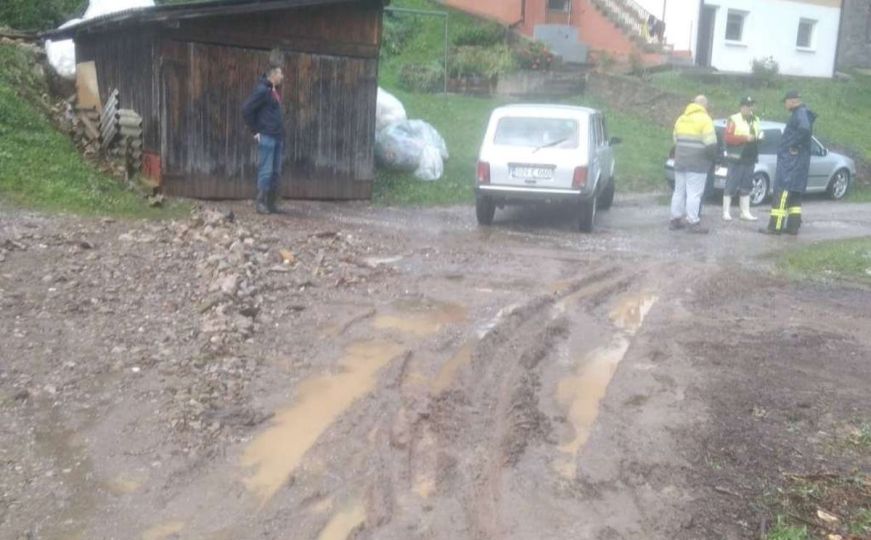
(695, 151)
(743, 133)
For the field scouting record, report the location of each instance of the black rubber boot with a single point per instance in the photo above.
(260, 204)
(271, 199)
(793, 224)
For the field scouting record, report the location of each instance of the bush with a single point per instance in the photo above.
(484, 62)
(765, 70)
(38, 14)
(422, 78)
(480, 35)
(397, 32)
(533, 55)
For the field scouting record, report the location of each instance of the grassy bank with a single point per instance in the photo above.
(846, 260)
(40, 167)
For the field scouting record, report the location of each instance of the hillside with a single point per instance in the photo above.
(39, 166)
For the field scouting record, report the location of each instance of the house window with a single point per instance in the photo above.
(559, 5)
(735, 25)
(805, 38)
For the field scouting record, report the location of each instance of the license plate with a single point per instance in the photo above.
(532, 173)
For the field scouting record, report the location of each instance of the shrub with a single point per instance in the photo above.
(636, 63)
(606, 61)
(533, 55)
(765, 70)
(480, 35)
(397, 32)
(422, 78)
(484, 62)
(38, 15)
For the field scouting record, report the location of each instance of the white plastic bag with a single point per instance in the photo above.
(62, 54)
(412, 145)
(388, 111)
(431, 167)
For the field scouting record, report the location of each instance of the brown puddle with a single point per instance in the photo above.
(420, 319)
(582, 393)
(163, 531)
(275, 454)
(630, 312)
(449, 370)
(344, 523)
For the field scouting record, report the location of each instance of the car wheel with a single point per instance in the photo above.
(839, 185)
(588, 214)
(607, 196)
(485, 210)
(759, 189)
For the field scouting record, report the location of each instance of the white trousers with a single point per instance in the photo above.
(686, 201)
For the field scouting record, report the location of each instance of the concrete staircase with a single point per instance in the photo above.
(631, 18)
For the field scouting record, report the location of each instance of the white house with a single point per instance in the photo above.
(801, 35)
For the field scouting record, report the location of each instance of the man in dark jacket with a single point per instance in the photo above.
(793, 166)
(263, 114)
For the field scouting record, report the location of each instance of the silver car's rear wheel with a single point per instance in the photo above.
(839, 184)
(759, 191)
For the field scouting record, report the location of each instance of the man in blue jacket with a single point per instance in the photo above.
(263, 114)
(793, 167)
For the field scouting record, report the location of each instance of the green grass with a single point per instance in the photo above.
(843, 260)
(782, 531)
(844, 108)
(427, 43)
(40, 168)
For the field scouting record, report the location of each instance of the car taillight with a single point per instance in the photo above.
(483, 172)
(579, 180)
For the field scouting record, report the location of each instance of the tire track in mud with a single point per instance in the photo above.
(483, 421)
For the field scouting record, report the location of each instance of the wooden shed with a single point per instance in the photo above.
(187, 69)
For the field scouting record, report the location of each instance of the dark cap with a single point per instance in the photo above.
(792, 94)
(748, 101)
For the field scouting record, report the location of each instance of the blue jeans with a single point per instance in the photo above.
(269, 170)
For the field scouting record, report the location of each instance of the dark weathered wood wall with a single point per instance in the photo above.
(195, 77)
(125, 60)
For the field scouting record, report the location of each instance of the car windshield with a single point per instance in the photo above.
(537, 132)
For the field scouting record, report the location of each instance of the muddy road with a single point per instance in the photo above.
(343, 371)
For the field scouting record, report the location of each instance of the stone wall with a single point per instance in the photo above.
(855, 38)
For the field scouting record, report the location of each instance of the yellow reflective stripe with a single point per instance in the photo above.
(794, 210)
(780, 211)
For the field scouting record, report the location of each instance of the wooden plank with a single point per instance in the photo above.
(245, 39)
(90, 127)
(87, 86)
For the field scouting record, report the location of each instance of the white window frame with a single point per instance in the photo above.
(741, 40)
(811, 46)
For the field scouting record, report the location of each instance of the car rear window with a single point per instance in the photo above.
(535, 132)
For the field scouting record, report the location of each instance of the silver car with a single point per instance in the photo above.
(830, 172)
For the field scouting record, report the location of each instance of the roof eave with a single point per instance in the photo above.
(174, 12)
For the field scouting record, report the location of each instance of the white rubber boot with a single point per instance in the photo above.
(727, 204)
(744, 202)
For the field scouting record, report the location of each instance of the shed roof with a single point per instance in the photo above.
(188, 10)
